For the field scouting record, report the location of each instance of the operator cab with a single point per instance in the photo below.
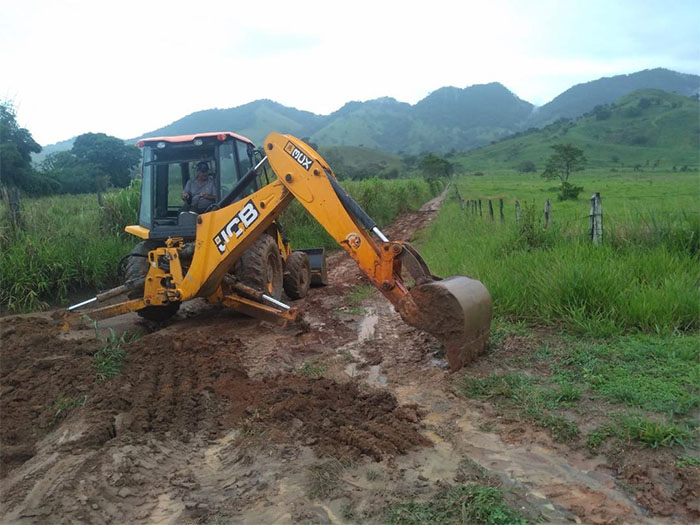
(169, 162)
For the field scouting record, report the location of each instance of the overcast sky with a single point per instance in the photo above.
(126, 67)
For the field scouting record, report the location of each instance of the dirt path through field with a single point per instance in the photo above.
(220, 418)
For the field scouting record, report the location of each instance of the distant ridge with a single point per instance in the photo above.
(449, 118)
(580, 98)
(647, 129)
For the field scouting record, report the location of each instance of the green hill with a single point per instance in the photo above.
(253, 120)
(581, 98)
(358, 162)
(448, 119)
(647, 128)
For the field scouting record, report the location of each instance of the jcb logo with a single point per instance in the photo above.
(236, 226)
(299, 156)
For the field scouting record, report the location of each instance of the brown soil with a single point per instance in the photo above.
(216, 417)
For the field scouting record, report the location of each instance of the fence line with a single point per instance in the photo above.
(595, 216)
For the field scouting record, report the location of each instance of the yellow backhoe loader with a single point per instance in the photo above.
(235, 254)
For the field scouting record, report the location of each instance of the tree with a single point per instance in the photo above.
(109, 154)
(434, 166)
(16, 148)
(72, 174)
(565, 160)
(527, 166)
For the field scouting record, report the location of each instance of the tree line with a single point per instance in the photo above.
(95, 162)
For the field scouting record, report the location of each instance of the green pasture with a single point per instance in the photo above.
(626, 195)
(644, 277)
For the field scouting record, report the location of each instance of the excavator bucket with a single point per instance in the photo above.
(457, 311)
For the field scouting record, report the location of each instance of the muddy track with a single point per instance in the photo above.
(217, 417)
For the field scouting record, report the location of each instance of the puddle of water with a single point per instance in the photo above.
(374, 377)
(368, 327)
(366, 331)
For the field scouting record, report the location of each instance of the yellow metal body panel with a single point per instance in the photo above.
(223, 235)
(138, 231)
(456, 310)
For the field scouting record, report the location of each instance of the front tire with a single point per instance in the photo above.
(137, 268)
(297, 275)
(260, 267)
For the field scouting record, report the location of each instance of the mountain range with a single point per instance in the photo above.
(645, 129)
(449, 118)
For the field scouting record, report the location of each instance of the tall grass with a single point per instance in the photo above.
(641, 279)
(69, 243)
(120, 208)
(60, 249)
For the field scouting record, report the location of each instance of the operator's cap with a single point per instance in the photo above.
(203, 166)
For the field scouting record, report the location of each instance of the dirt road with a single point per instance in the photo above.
(217, 418)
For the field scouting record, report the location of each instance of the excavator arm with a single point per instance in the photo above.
(456, 310)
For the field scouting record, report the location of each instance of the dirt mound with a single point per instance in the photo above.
(186, 380)
(195, 380)
(340, 420)
(170, 384)
(41, 378)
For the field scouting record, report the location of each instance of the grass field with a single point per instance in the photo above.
(643, 278)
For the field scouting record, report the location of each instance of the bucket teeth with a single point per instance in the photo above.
(457, 311)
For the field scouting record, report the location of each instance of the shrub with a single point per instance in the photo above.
(569, 192)
(527, 166)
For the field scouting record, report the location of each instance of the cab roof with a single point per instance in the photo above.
(189, 138)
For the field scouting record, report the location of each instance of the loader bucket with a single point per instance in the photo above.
(457, 311)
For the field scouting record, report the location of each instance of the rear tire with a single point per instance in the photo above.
(297, 275)
(137, 268)
(260, 267)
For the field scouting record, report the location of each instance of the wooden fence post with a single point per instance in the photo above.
(517, 211)
(547, 212)
(11, 195)
(480, 214)
(459, 198)
(500, 209)
(596, 231)
(491, 209)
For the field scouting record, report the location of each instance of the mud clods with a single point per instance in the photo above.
(339, 420)
(41, 378)
(188, 381)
